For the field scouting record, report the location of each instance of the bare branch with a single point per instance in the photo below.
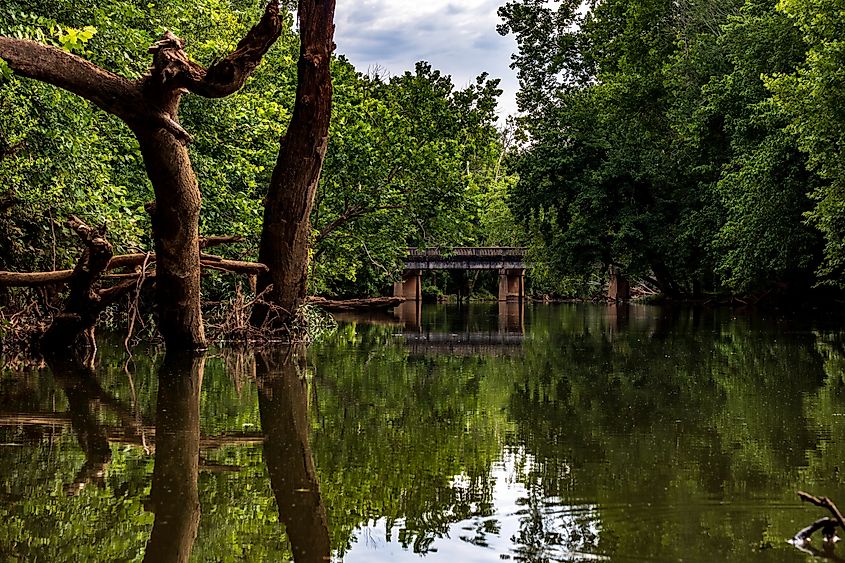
(207, 242)
(349, 215)
(34, 279)
(823, 502)
(235, 266)
(209, 261)
(172, 69)
(52, 65)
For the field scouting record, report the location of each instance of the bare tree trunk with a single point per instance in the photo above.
(286, 232)
(175, 221)
(83, 303)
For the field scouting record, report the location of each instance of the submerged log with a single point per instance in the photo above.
(366, 304)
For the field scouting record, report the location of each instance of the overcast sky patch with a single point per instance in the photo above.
(458, 38)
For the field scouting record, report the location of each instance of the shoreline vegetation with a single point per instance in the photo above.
(662, 151)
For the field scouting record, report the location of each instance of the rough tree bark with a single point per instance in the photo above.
(82, 306)
(150, 107)
(286, 232)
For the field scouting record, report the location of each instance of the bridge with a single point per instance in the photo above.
(508, 261)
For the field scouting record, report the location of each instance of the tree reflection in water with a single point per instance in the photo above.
(606, 432)
(84, 396)
(283, 405)
(174, 497)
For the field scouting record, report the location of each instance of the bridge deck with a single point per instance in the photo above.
(466, 258)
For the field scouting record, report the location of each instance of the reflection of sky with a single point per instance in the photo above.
(457, 37)
(509, 510)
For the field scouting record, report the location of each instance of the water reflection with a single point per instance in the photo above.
(575, 433)
(487, 330)
(84, 396)
(510, 316)
(283, 405)
(174, 497)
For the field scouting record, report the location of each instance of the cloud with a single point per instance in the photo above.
(458, 38)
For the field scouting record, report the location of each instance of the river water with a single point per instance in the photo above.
(544, 433)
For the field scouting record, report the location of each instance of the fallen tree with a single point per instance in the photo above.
(827, 525)
(87, 295)
(346, 305)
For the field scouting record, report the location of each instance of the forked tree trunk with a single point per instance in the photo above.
(286, 232)
(149, 106)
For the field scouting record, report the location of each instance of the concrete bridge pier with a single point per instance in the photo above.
(511, 285)
(410, 287)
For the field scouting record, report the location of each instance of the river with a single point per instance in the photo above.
(483, 433)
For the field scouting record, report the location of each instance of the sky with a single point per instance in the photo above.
(458, 37)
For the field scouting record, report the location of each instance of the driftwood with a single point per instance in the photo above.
(82, 306)
(367, 304)
(826, 525)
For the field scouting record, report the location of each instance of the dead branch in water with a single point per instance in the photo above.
(93, 286)
(233, 321)
(827, 525)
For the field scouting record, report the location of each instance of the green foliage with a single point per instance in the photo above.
(59, 155)
(412, 161)
(656, 146)
(813, 96)
(74, 39)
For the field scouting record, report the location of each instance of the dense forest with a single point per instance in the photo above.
(694, 145)
(412, 159)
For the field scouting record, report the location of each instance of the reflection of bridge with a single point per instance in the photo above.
(509, 261)
(511, 316)
(465, 343)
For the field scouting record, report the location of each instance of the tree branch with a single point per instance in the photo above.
(823, 502)
(172, 69)
(349, 215)
(207, 242)
(110, 92)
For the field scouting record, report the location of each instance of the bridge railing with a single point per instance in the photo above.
(479, 252)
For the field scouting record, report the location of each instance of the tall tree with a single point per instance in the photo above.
(150, 108)
(409, 159)
(286, 232)
(655, 146)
